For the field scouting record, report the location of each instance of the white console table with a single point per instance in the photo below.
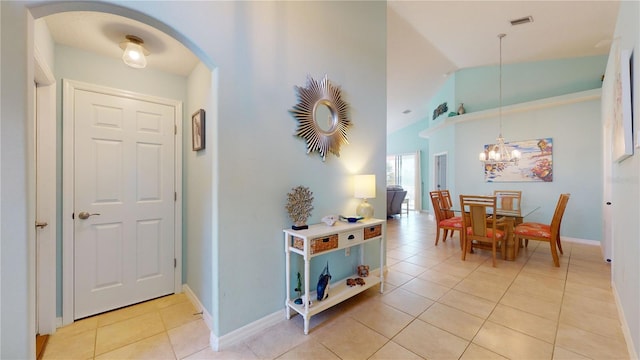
(320, 239)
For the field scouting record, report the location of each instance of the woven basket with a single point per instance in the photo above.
(317, 245)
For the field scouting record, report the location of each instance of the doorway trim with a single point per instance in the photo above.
(46, 195)
(436, 170)
(68, 89)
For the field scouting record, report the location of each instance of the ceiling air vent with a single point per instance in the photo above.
(520, 21)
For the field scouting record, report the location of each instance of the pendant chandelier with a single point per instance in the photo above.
(498, 153)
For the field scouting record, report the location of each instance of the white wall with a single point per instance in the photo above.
(44, 43)
(17, 268)
(626, 191)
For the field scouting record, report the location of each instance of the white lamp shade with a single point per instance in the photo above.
(364, 186)
(134, 56)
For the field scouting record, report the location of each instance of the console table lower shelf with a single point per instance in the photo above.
(338, 292)
(319, 239)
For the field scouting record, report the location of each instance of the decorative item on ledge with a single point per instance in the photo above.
(322, 115)
(350, 219)
(441, 109)
(461, 109)
(363, 270)
(323, 283)
(364, 188)
(299, 206)
(298, 289)
(330, 220)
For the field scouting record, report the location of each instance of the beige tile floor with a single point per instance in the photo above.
(435, 306)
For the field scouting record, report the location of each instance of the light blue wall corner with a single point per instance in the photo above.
(577, 162)
(478, 88)
(406, 141)
(446, 94)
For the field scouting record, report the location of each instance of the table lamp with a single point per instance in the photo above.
(364, 188)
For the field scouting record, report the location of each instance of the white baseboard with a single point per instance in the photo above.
(581, 241)
(247, 331)
(198, 305)
(238, 335)
(625, 327)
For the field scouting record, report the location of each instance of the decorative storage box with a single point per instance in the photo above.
(372, 231)
(317, 245)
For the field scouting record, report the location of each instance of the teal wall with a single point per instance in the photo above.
(257, 53)
(577, 162)
(396, 146)
(197, 189)
(261, 50)
(447, 93)
(478, 89)
(441, 143)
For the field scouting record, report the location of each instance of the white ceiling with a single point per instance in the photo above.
(102, 33)
(426, 41)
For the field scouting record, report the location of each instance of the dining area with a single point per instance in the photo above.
(496, 222)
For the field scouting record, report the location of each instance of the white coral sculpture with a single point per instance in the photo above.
(299, 204)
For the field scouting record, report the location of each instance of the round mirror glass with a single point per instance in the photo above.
(324, 117)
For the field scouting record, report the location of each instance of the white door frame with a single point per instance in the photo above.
(435, 173)
(46, 195)
(68, 88)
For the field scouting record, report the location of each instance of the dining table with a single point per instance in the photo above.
(512, 217)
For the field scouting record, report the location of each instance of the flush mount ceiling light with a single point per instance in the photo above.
(134, 53)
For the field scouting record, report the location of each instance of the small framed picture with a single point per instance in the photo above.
(197, 130)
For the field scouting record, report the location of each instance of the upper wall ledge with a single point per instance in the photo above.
(581, 96)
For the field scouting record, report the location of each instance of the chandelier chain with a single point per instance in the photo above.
(500, 36)
(499, 155)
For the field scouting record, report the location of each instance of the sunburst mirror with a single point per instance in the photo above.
(322, 115)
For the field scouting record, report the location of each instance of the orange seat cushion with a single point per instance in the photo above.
(452, 222)
(533, 229)
(499, 233)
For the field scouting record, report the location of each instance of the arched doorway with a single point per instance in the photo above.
(52, 9)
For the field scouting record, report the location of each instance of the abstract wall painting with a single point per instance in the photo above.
(622, 113)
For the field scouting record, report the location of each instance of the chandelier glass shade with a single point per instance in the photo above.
(499, 153)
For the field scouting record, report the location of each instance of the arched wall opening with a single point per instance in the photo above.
(207, 100)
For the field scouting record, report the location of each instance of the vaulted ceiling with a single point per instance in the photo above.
(426, 41)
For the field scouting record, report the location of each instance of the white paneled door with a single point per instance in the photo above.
(123, 201)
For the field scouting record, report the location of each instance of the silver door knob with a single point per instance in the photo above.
(85, 215)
